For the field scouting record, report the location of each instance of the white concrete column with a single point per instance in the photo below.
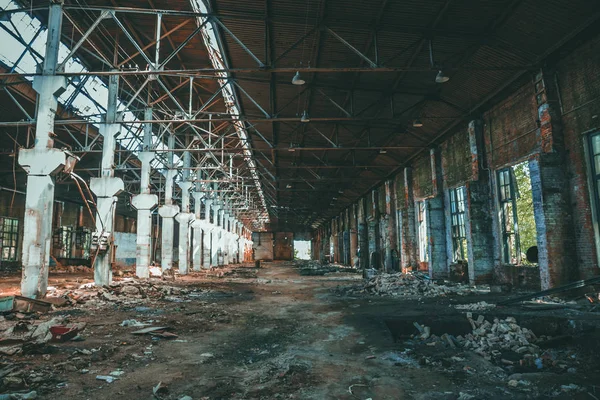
(106, 188)
(222, 234)
(206, 235)
(232, 240)
(197, 226)
(215, 235)
(240, 241)
(225, 237)
(40, 163)
(144, 203)
(168, 211)
(185, 217)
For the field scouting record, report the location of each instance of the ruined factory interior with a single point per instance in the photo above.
(314, 199)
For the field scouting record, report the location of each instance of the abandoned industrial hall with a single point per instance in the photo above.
(309, 200)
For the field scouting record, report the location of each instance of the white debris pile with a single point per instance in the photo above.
(488, 339)
(128, 291)
(479, 306)
(502, 334)
(410, 284)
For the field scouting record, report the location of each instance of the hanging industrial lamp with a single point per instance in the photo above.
(297, 79)
(417, 123)
(441, 77)
(305, 117)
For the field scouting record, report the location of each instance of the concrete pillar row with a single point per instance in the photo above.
(40, 163)
(144, 203)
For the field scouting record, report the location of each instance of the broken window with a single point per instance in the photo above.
(422, 231)
(457, 216)
(9, 234)
(517, 221)
(508, 217)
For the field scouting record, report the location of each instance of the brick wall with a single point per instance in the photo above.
(578, 78)
(422, 182)
(456, 159)
(512, 128)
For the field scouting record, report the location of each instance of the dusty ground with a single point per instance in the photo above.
(273, 333)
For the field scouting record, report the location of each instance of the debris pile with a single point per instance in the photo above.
(411, 284)
(22, 334)
(479, 306)
(315, 268)
(493, 338)
(127, 291)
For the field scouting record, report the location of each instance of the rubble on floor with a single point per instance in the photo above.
(479, 306)
(127, 291)
(315, 268)
(411, 284)
(502, 341)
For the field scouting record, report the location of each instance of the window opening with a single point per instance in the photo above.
(422, 231)
(9, 237)
(457, 215)
(517, 220)
(302, 249)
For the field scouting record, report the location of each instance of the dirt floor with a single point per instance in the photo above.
(274, 333)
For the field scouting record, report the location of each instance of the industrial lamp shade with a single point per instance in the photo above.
(305, 117)
(441, 77)
(417, 123)
(297, 79)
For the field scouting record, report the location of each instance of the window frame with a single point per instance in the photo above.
(507, 205)
(458, 229)
(422, 237)
(13, 237)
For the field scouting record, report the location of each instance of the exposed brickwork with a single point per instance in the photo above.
(457, 159)
(552, 135)
(479, 224)
(578, 78)
(422, 184)
(436, 227)
(408, 229)
(512, 128)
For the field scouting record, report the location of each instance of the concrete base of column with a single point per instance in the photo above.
(184, 241)
(168, 213)
(144, 203)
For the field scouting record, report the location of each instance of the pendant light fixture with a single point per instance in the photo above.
(305, 117)
(297, 79)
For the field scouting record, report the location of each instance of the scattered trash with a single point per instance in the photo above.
(479, 306)
(107, 378)
(132, 322)
(117, 373)
(160, 389)
(62, 333)
(19, 396)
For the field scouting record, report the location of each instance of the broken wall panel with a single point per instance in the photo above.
(421, 177)
(262, 245)
(457, 159)
(511, 128)
(284, 246)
